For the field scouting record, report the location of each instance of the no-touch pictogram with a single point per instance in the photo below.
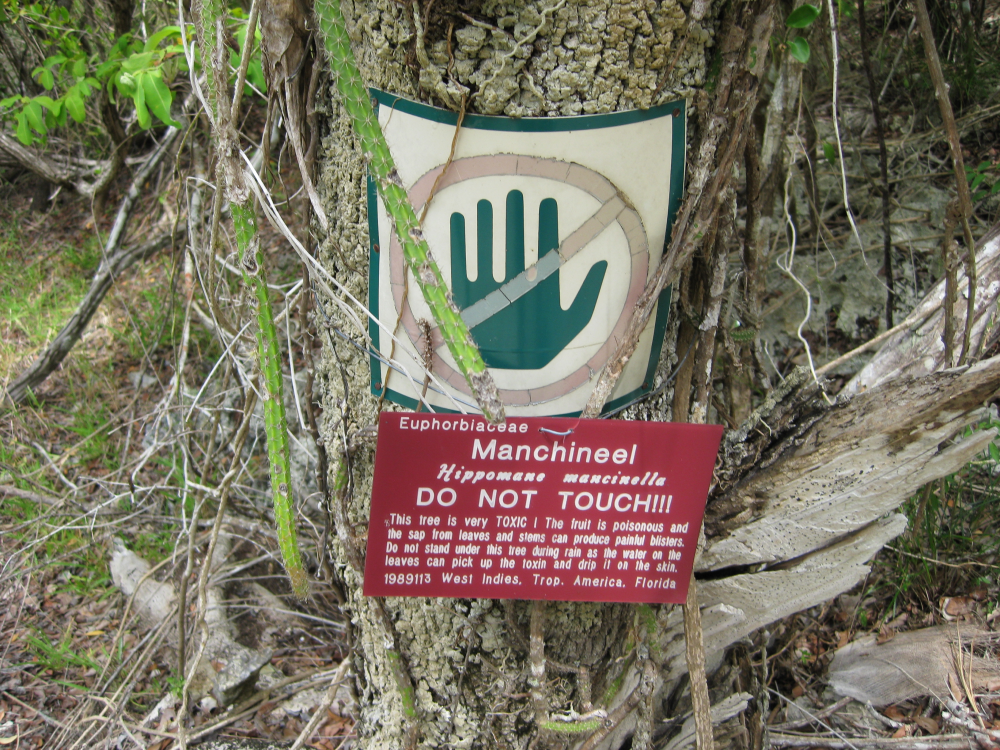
(546, 229)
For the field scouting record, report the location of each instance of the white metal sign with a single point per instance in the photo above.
(546, 229)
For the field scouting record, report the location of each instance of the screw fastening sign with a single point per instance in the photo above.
(546, 229)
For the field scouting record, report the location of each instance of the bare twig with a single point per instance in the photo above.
(115, 262)
(447, 163)
(939, 742)
(240, 711)
(6, 489)
(835, 103)
(955, 149)
(401, 675)
(223, 497)
(182, 590)
(241, 75)
(48, 460)
(321, 709)
(831, 709)
(752, 280)
(950, 282)
(40, 714)
(723, 141)
(647, 680)
(872, 343)
(705, 353)
(786, 264)
(883, 163)
(969, 564)
(51, 170)
(897, 58)
(725, 134)
(961, 716)
(539, 695)
(696, 668)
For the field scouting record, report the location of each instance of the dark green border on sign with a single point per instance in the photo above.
(525, 124)
(528, 125)
(373, 256)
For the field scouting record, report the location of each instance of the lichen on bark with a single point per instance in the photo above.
(467, 658)
(564, 58)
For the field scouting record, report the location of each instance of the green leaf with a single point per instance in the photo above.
(846, 8)
(74, 105)
(126, 84)
(979, 177)
(139, 97)
(159, 36)
(58, 112)
(799, 49)
(138, 61)
(158, 98)
(105, 69)
(119, 47)
(23, 133)
(830, 153)
(802, 16)
(255, 74)
(46, 78)
(10, 101)
(996, 188)
(45, 101)
(994, 452)
(33, 111)
(80, 68)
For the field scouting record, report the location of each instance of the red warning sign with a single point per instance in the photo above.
(537, 508)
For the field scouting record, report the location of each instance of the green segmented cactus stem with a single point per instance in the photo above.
(275, 422)
(418, 257)
(244, 213)
(575, 727)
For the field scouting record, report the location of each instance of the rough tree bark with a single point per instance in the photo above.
(803, 490)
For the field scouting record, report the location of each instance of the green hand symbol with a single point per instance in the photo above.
(522, 325)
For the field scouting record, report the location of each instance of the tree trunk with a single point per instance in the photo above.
(800, 500)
